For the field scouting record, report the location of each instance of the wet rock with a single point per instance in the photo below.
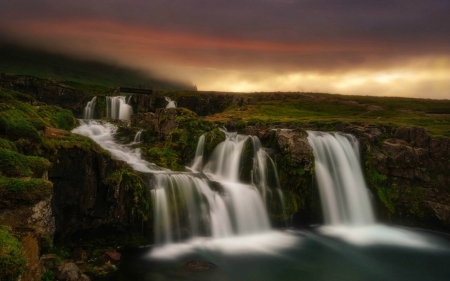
(416, 167)
(162, 122)
(69, 271)
(415, 136)
(199, 265)
(297, 146)
(111, 255)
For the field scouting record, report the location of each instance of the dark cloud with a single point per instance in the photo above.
(281, 36)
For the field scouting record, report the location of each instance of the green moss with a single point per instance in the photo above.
(414, 196)
(8, 145)
(12, 261)
(24, 191)
(14, 164)
(58, 117)
(15, 124)
(133, 183)
(48, 275)
(212, 139)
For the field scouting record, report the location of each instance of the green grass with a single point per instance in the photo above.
(312, 109)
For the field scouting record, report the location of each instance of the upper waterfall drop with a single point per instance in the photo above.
(117, 107)
(170, 103)
(89, 109)
(343, 191)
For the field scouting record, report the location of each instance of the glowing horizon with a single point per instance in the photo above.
(347, 49)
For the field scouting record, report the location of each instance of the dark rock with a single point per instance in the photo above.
(199, 265)
(82, 200)
(297, 146)
(416, 167)
(69, 271)
(112, 256)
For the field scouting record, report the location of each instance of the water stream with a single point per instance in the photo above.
(117, 107)
(209, 213)
(89, 109)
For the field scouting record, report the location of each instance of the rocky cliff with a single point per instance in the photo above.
(410, 173)
(50, 92)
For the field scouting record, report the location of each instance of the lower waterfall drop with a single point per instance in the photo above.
(211, 200)
(343, 191)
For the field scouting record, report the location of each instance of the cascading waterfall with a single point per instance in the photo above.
(138, 137)
(343, 191)
(117, 107)
(89, 109)
(211, 200)
(170, 103)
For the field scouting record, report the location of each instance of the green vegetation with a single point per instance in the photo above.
(28, 190)
(48, 275)
(14, 164)
(11, 258)
(132, 181)
(325, 111)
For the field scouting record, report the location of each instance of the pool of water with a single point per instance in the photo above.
(326, 253)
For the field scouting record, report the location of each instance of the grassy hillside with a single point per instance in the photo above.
(20, 60)
(327, 109)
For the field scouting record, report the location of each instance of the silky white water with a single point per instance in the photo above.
(211, 200)
(343, 191)
(118, 108)
(170, 103)
(89, 109)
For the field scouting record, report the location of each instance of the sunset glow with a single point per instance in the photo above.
(279, 46)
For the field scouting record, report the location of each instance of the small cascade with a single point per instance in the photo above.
(343, 191)
(89, 109)
(170, 103)
(198, 159)
(117, 107)
(138, 137)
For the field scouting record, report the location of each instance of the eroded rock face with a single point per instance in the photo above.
(82, 200)
(297, 146)
(45, 90)
(69, 271)
(163, 121)
(417, 170)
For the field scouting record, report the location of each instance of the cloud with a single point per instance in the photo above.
(338, 46)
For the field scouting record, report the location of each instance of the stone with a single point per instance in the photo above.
(296, 144)
(199, 265)
(69, 271)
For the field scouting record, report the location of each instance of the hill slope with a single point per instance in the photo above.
(20, 60)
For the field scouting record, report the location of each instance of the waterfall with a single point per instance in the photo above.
(138, 137)
(118, 108)
(211, 200)
(89, 109)
(343, 191)
(170, 103)
(198, 159)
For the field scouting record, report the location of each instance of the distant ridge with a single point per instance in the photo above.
(15, 59)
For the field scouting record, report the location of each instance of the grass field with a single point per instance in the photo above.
(327, 108)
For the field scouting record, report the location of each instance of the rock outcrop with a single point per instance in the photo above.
(83, 196)
(412, 177)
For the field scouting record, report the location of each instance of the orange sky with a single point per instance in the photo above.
(234, 46)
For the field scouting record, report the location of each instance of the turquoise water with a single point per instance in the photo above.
(298, 255)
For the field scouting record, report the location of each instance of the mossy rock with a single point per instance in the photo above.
(13, 164)
(12, 261)
(15, 192)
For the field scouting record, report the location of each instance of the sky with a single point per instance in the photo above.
(358, 47)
